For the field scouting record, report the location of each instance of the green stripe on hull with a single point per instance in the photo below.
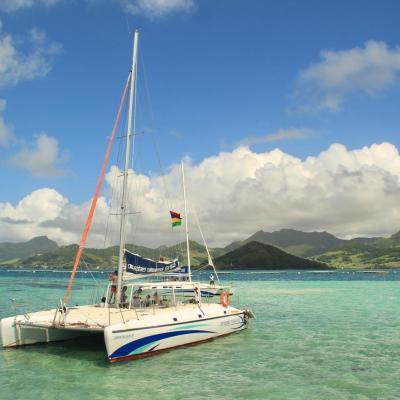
(187, 326)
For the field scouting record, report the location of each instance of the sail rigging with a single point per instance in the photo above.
(96, 196)
(186, 223)
(131, 263)
(210, 260)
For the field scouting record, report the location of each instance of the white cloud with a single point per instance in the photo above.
(281, 134)
(157, 8)
(47, 212)
(370, 69)
(15, 5)
(37, 36)
(6, 131)
(41, 158)
(347, 192)
(149, 8)
(23, 221)
(41, 205)
(18, 63)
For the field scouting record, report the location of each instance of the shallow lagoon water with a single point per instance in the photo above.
(317, 336)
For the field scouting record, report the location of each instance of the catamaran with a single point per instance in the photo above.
(138, 316)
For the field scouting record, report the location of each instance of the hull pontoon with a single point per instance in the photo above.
(128, 333)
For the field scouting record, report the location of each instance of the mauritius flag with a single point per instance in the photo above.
(176, 218)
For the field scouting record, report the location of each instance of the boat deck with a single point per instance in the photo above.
(95, 318)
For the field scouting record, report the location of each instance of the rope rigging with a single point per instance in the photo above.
(96, 196)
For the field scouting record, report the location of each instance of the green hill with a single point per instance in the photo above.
(365, 253)
(64, 256)
(302, 244)
(41, 252)
(198, 253)
(13, 252)
(256, 255)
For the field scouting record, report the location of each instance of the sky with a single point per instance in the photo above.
(285, 114)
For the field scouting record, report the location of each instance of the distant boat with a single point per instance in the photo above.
(137, 318)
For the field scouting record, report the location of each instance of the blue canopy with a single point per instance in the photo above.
(136, 264)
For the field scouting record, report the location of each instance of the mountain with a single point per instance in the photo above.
(323, 247)
(12, 252)
(302, 244)
(198, 253)
(256, 255)
(395, 238)
(364, 253)
(64, 256)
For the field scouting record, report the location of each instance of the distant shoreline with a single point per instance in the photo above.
(225, 271)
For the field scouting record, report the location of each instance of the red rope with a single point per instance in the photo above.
(95, 198)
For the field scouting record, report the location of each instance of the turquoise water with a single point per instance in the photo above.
(316, 336)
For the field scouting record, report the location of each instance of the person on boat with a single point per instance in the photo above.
(156, 298)
(137, 300)
(211, 279)
(124, 297)
(113, 278)
(196, 295)
(147, 301)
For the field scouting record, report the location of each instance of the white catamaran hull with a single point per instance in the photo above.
(14, 334)
(127, 333)
(127, 341)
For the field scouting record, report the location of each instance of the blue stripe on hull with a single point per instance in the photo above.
(130, 348)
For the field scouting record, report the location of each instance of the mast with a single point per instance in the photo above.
(126, 167)
(186, 223)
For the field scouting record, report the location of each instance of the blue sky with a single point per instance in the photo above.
(220, 74)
